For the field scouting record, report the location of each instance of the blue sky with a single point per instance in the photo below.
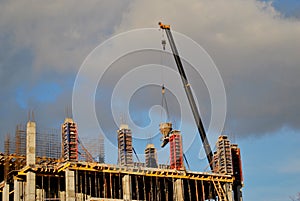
(43, 45)
(289, 8)
(271, 166)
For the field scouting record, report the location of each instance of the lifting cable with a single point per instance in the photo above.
(164, 103)
(163, 89)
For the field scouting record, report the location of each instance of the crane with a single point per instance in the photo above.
(188, 91)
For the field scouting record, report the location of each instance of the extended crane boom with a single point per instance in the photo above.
(188, 91)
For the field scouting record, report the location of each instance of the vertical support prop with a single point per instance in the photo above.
(196, 187)
(144, 187)
(203, 190)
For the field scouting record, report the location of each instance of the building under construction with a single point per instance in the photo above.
(34, 167)
(26, 176)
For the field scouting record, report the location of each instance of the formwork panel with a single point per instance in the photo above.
(176, 155)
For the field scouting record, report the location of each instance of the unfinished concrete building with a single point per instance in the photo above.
(31, 177)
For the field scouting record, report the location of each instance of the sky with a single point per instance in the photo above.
(254, 44)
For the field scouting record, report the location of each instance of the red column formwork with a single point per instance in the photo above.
(176, 155)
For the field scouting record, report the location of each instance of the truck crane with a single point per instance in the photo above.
(188, 91)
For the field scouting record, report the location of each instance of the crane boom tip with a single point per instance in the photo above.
(163, 26)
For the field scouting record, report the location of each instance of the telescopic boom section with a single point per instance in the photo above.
(188, 91)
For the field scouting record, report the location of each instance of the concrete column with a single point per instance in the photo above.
(17, 190)
(30, 160)
(70, 185)
(30, 186)
(178, 190)
(126, 185)
(30, 143)
(5, 193)
(228, 191)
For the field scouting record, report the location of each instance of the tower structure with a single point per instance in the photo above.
(237, 172)
(223, 158)
(216, 162)
(124, 146)
(176, 154)
(69, 140)
(151, 156)
(237, 162)
(101, 149)
(30, 191)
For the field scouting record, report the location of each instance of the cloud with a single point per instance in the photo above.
(255, 48)
(59, 34)
(46, 42)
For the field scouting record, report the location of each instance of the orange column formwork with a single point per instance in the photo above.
(70, 140)
(176, 155)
